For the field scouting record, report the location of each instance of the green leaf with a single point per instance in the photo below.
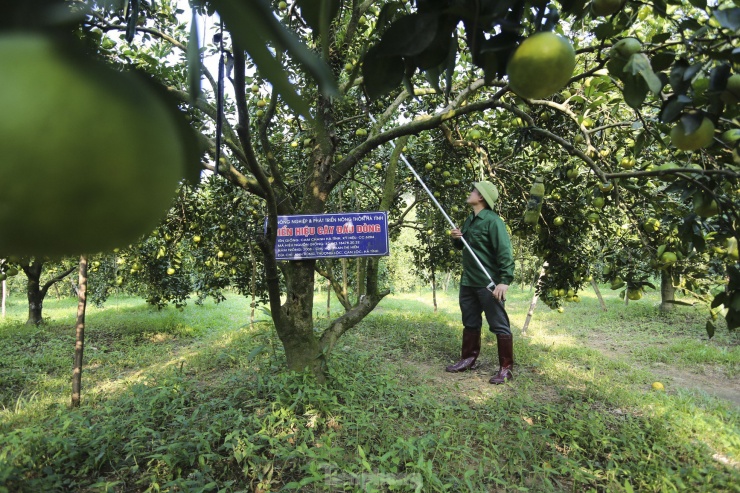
(254, 352)
(575, 7)
(718, 77)
(389, 13)
(691, 122)
(495, 53)
(719, 300)
(677, 79)
(616, 67)
(710, 329)
(728, 18)
(311, 11)
(410, 35)
(131, 20)
(662, 61)
(661, 250)
(640, 141)
(194, 60)
(381, 74)
(605, 31)
(673, 108)
(436, 53)
(432, 76)
(635, 90)
(639, 63)
(660, 38)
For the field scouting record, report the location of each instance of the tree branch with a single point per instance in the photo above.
(55, 280)
(340, 325)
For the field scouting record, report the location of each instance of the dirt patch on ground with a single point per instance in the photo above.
(701, 380)
(474, 384)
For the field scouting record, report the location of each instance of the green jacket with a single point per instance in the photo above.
(486, 234)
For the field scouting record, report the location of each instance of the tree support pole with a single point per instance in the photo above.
(4, 295)
(79, 333)
(533, 304)
(598, 294)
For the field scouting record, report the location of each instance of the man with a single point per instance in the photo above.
(486, 234)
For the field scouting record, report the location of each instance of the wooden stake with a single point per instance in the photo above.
(533, 304)
(79, 333)
(598, 294)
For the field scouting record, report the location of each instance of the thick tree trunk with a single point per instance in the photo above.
(79, 333)
(295, 324)
(34, 294)
(667, 291)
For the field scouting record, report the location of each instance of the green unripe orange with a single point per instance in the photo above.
(668, 258)
(602, 8)
(652, 225)
(91, 157)
(634, 294)
(732, 250)
(541, 65)
(626, 47)
(731, 94)
(701, 137)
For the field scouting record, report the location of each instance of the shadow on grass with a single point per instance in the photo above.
(218, 411)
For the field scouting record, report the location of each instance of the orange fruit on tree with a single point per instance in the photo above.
(606, 7)
(541, 65)
(91, 157)
(699, 138)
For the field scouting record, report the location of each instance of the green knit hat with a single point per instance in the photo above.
(488, 190)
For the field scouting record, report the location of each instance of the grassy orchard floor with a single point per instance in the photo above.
(198, 401)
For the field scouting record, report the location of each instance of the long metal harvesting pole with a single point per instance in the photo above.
(492, 284)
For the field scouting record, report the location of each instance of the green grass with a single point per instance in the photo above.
(196, 400)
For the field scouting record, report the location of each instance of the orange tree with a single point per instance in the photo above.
(438, 69)
(42, 273)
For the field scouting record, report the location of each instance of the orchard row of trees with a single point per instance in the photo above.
(304, 126)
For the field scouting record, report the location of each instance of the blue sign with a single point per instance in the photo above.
(351, 234)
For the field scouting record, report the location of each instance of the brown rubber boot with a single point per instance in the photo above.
(470, 352)
(505, 358)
